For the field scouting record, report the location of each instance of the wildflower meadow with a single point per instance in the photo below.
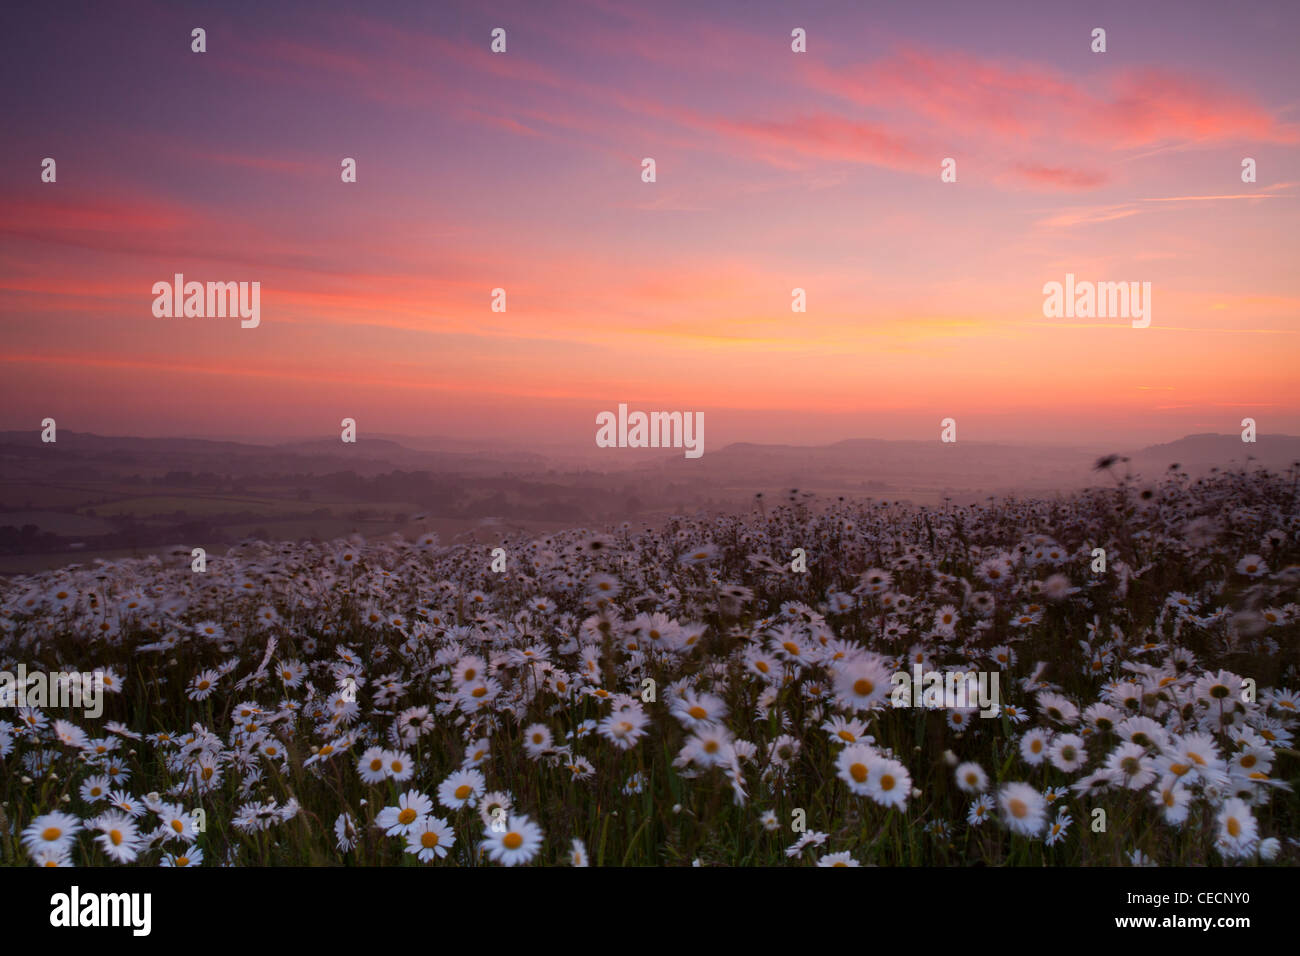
(718, 690)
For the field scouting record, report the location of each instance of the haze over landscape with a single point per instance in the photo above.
(88, 496)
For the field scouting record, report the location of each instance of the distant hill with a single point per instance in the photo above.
(863, 464)
(880, 467)
(1199, 453)
(81, 454)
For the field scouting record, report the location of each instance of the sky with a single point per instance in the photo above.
(774, 170)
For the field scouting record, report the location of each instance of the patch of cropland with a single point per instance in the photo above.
(720, 691)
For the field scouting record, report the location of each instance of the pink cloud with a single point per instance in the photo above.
(988, 108)
(1058, 177)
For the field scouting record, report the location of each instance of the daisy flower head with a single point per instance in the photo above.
(118, 836)
(476, 753)
(625, 726)
(874, 581)
(578, 853)
(1218, 688)
(399, 765)
(1173, 800)
(1034, 746)
(373, 765)
(981, 808)
(1252, 566)
(430, 838)
(971, 778)
(175, 822)
(345, 832)
(461, 789)
(700, 555)
(853, 766)
(1238, 830)
(94, 788)
(1023, 808)
(537, 740)
(945, 620)
(1058, 709)
(412, 807)
(52, 855)
(842, 730)
(517, 844)
(494, 806)
(862, 683)
(1056, 832)
(1067, 753)
(888, 782)
(51, 831)
(696, 709)
(190, 856)
(203, 685)
(71, 735)
(127, 803)
(1129, 767)
(811, 838)
(709, 746)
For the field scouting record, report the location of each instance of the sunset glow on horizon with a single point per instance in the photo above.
(774, 171)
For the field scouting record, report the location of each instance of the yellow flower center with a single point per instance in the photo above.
(698, 712)
(513, 841)
(428, 839)
(406, 816)
(858, 772)
(1019, 809)
(463, 791)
